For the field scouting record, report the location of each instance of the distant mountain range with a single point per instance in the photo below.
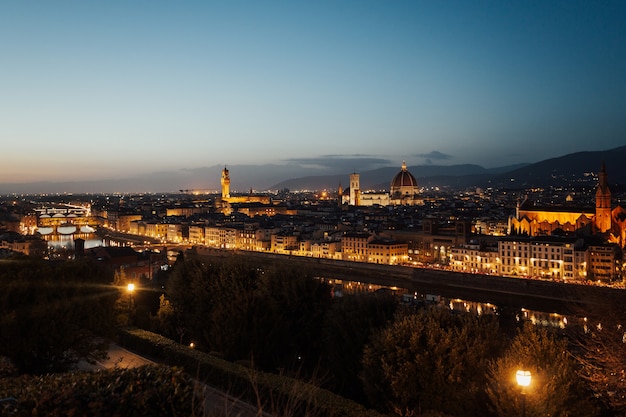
(556, 171)
(380, 179)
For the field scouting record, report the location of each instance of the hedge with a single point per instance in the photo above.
(273, 392)
(145, 391)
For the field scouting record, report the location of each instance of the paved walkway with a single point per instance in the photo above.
(118, 358)
(216, 402)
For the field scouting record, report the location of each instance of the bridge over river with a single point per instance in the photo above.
(539, 295)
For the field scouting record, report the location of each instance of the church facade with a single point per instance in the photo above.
(604, 220)
(403, 191)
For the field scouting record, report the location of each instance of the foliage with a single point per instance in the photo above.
(188, 294)
(38, 249)
(600, 349)
(555, 389)
(51, 312)
(123, 307)
(271, 392)
(288, 319)
(432, 361)
(348, 325)
(144, 391)
(270, 316)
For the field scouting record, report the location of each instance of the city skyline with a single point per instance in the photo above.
(119, 90)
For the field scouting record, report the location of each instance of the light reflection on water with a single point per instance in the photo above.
(541, 318)
(67, 241)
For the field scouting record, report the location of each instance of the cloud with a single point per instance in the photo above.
(343, 162)
(434, 155)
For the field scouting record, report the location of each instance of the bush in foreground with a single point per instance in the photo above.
(145, 391)
(281, 395)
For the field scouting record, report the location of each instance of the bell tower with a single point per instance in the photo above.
(603, 203)
(340, 195)
(355, 189)
(225, 183)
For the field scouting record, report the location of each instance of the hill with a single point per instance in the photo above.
(564, 170)
(569, 169)
(576, 168)
(380, 178)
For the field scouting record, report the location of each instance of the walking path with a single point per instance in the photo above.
(217, 403)
(118, 358)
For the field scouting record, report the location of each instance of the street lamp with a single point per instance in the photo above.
(130, 288)
(523, 380)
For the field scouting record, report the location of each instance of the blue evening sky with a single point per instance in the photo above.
(114, 88)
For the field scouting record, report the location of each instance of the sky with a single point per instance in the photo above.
(114, 89)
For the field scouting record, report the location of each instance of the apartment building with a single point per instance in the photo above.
(196, 234)
(157, 230)
(388, 252)
(472, 258)
(247, 238)
(514, 257)
(354, 246)
(330, 249)
(604, 263)
(543, 257)
(284, 242)
(552, 259)
(175, 232)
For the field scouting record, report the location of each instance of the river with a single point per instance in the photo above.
(59, 241)
(417, 299)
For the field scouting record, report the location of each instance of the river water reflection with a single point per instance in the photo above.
(546, 319)
(60, 241)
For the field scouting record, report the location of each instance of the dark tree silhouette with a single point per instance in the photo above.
(51, 312)
(432, 361)
(271, 316)
(348, 325)
(599, 346)
(555, 388)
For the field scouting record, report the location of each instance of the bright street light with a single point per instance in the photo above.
(131, 288)
(523, 380)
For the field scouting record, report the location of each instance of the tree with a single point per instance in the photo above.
(52, 312)
(123, 308)
(599, 347)
(38, 249)
(431, 361)
(270, 316)
(348, 325)
(555, 389)
(188, 292)
(298, 303)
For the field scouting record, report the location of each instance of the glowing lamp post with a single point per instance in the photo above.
(523, 380)
(130, 288)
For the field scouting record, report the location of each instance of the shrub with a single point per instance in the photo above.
(273, 393)
(144, 391)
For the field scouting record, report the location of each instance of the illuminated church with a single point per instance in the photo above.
(403, 190)
(604, 220)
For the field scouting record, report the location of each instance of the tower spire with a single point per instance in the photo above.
(225, 183)
(603, 202)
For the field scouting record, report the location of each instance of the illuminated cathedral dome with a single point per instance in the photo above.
(404, 182)
(404, 189)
